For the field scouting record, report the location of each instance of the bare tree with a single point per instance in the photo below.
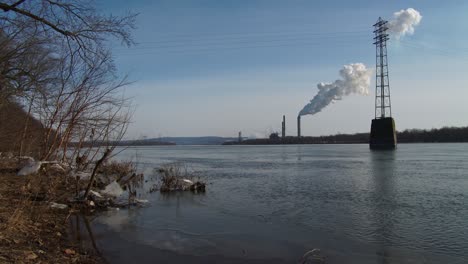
(29, 26)
(54, 58)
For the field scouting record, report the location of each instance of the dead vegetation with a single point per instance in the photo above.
(30, 230)
(117, 169)
(37, 207)
(179, 177)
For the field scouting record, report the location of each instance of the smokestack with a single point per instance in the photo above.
(283, 127)
(240, 136)
(299, 126)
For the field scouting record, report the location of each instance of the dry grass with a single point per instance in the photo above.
(117, 168)
(172, 178)
(31, 231)
(121, 171)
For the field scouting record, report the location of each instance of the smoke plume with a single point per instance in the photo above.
(355, 79)
(404, 22)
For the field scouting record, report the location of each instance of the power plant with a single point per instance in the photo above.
(283, 127)
(299, 126)
(355, 78)
(382, 135)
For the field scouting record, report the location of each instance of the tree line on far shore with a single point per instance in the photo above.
(440, 135)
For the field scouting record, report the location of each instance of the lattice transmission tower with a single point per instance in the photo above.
(383, 106)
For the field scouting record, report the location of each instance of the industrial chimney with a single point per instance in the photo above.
(283, 127)
(299, 126)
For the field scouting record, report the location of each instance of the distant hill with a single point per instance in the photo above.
(167, 141)
(13, 120)
(126, 143)
(193, 140)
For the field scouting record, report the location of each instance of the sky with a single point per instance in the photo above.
(214, 68)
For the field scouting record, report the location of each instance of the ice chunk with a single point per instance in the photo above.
(83, 175)
(30, 168)
(58, 206)
(141, 201)
(94, 193)
(188, 181)
(113, 189)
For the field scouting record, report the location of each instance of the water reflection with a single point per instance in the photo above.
(81, 232)
(383, 189)
(299, 152)
(178, 200)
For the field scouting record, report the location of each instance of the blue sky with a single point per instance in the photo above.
(219, 67)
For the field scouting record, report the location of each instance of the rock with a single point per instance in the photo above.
(70, 251)
(31, 255)
(198, 187)
(58, 206)
(113, 189)
(142, 201)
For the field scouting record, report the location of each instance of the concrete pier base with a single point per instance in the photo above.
(383, 134)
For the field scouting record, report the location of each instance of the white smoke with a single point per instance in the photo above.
(355, 79)
(404, 22)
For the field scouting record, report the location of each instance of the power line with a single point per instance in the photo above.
(433, 50)
(240, 41)
(225, 48)
(196, 37)
(189, 44)
(258, 33)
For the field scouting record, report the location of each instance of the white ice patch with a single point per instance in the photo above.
(30, 168)
(58, 206)
(113, 189)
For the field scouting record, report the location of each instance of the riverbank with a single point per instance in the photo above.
(30, 230)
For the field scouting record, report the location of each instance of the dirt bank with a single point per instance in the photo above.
(30, 230)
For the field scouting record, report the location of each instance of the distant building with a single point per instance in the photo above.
(274, 135)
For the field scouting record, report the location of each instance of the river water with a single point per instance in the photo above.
(271, 204)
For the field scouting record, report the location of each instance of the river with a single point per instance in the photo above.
(271, 204)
